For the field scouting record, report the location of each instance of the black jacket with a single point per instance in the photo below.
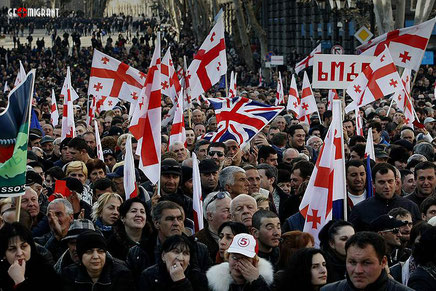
(156, 278)
(422, 280)
(206, 238)
(115, 276)
(361, 218)
(383, 283)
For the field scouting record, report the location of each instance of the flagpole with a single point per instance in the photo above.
(344, 175)
(390, 106)
(227, 86)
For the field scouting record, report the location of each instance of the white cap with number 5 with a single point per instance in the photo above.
(244, 244)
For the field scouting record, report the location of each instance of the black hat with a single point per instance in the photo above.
(88, 240)
(115, 130)
(74, 184)
(208, 166)
(32, 156)
(46, 139)
(32, 178)
(171, 166)
(107, 151)
(381, 154)
(385, 222)
(186, 174)
(284, 176)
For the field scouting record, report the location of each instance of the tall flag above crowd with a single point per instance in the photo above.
(232, 87)
(210, 61)
(326, 186)
(169, 81)
(68, 126)
(146, 120)
(240, 118)
(407, 45)
(280, 95)
(111, 78)
(54, 114)
(21, 76)
(308, 102)
(15, 122)
(307, 61)
(178, 132)
(197, 198)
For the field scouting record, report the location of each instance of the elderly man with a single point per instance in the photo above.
(198, 116)
(233, 152)
(242, 209)
(408, 135)
(216, 211)
(289, 154)
(179, 149)
(233, 180)
(60, 216)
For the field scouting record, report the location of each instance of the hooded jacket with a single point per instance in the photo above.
(219, 278)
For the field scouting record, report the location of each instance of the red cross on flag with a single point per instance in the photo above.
(403, 100)
(21, 76)
(378, 79)
(112, 78)
(333, 94)
(129, 178)
(307, 61)
(67, 82)
(54, 114)
(197, 197)
(178, 129)
(232, 87)
(407, 45)
(145, 124)
(327, 182)
(293, 99)
(280, 96)
(210, 62)
(187, 96)
(68, 126)
(169, 80)
(308, 102)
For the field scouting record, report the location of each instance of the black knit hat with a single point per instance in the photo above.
(88, 240)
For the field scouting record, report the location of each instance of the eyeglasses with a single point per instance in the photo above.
(393, 230)
(219, 196)
(219, 154)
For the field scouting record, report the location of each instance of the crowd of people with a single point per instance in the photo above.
(79, 230)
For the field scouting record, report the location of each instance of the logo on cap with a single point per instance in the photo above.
(243, 242)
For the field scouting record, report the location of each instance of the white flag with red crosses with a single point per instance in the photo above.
(378, 79)
(68, 126)
(307, 61)
(169, 81)
(293, 99)
(280, 95)
(112, 78)
(308, 102)
(407, 45)
(54, 113)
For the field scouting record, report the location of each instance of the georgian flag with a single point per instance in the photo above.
(178, 129)
(54, 114)
(169, 80)
(98, 141)
(403, 99)
(197, 197)
(407, 45)
(68, 126)
(308, 102)
(129, 179)
(293, 99)
(378, 79)
(280, 96)
(307, 61)
(333, 94)
(21, 76)
(232, 87)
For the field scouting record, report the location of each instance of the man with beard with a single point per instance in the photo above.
(389, 228)
(356, 182)
(267, 231)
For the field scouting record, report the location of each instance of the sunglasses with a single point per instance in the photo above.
(219, 196)
(393, 230)
(219, 154)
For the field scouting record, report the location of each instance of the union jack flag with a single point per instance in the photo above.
(240, 118)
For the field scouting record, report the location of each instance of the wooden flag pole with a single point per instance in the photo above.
(18, 209)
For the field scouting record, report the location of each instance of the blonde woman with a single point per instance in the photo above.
(78, 170)
(106, 212)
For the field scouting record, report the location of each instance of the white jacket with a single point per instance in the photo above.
(219, 278)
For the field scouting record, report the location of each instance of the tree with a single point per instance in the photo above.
(247, 54)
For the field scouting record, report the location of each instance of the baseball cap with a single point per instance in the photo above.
(384, 222)
(108, 152)
(115, 130)
(429, 119)
(119, 172)
(208, 166)
(77, 227)
(381, 154)
(243, 244)
(171, 166)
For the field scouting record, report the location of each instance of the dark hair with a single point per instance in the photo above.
(359, 149)
(427, 203)
(258, 215)
(355, 139)
(93, 164)
(329, 230)
(8, 231)
(383, 168)
(55, 172)
(399, 211)
(376, 125)
(424, 251)
(348, 120)
(79, 144)
(364, 238)
(416, 231)
(354, 163)
(216, 144)
(279, 139)
(398, 153)
(200, 143)
(292, 241)
(305, 167)
(270, 171)
(424, 166)
(161, 206)
(299, 270)
(293, 128)
(125, 206)
(236, 227)
(265, 152)
(404, 173)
